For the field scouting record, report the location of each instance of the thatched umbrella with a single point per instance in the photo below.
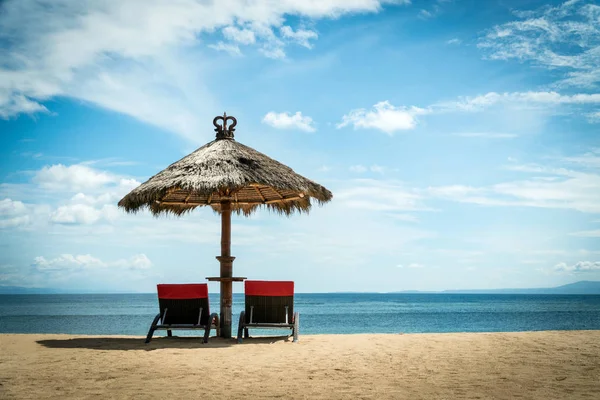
(227, 176)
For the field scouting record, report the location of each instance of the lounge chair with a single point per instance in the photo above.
(269, 304)
(184, 306)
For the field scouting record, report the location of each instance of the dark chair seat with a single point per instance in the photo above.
(268, 304)
(183, 306)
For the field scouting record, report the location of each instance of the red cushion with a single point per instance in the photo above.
(269, 288)
(182, 291)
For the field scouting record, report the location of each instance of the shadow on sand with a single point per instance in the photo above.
(137, 343)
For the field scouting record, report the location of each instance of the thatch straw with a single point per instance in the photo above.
(225, 170)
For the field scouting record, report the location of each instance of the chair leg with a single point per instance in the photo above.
(213, 318)
(207, 332)
(241, 326)
(246, 334)
(152, 328)
(296, 326)
(169, 333)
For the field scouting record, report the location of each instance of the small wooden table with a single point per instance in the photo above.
(228, 279)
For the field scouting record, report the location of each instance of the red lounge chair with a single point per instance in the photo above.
(184, 306)
(269, 304)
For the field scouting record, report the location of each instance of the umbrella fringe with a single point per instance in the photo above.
(222, 170)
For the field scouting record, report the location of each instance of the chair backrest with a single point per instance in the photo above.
(266, 301)
(183, 303)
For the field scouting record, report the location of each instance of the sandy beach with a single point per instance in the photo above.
(528, 365)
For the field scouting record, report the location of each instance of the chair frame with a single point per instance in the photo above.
(212, 322)
(244, 326)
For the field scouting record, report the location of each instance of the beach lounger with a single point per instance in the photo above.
(269, 304)
(184, 306)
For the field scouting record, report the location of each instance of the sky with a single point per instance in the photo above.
(460, 140)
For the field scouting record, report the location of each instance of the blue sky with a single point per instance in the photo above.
(459, 138)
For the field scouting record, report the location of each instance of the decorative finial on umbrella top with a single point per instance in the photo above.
(223, 131)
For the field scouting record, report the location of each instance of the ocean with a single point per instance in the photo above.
(344, 313)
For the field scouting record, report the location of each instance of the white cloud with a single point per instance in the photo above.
(378, 169)
(454, 41)
(373, 168)
(547, 188)
(15, 103)
(358, 168)
(72, 178)
(520, 99)
(286, 120)
(95, 198)
(404, 217)
(300, 36)
(580, 267)
(87, 262)
(110, 162)
(134, 57)
(13, 214)
(594, 116)
(384, 117)
(83, 214)
(590, 159)
(15, 222)
(453, 191)
(139, 261)
(242, 36)
(412, 265)
(80, 177)
(273, 52)
(425, 14)
(546, 37)
(377, 195)
(10, 208)
(232, 49)
(592, 233)
(389, 119)
(487, 135)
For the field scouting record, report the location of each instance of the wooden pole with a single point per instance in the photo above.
(226, 261)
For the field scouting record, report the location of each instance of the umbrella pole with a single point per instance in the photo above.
(226, 262)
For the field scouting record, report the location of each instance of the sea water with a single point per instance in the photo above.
(345, 313)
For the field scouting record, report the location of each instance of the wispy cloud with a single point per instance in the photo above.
(411, 265)
(359, 168)
(546, 37)
(232, 49)
(435, 8)
(379, 195)
(548, 187)
(92, 197)
(592, 233)
(521, 99)
(242, 36)
(300, 36)
(487, 135)
(81, 262)
(590, 159)
(286, 120)
(390, 119)
(13, 214)
(83, 272)
(132, 57)
(384, 117)
(579, 267)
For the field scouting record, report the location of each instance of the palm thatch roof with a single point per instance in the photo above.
(225, 170)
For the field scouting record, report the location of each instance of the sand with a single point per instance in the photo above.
(526, 365)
